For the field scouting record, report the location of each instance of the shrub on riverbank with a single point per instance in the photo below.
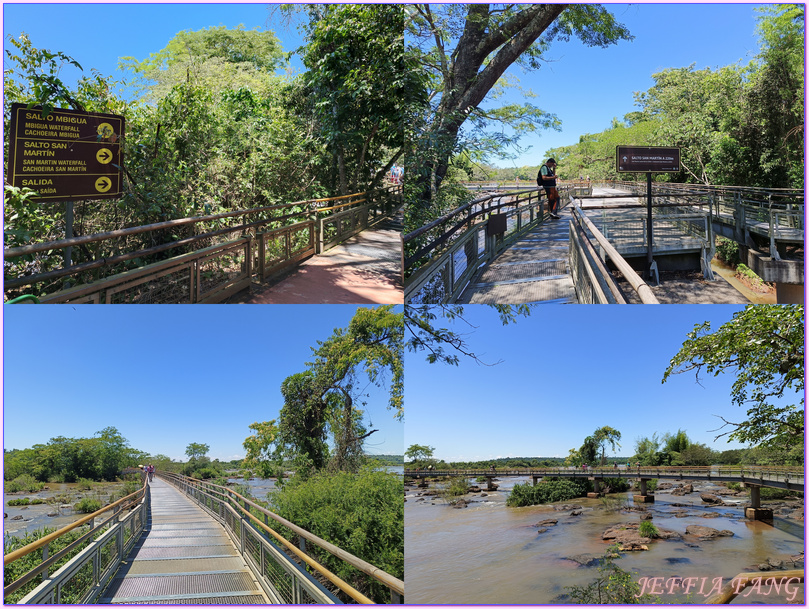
(547, 491)
(613, 586)
(24, 483)
(87, 505)
(361, 513)
(24, 501)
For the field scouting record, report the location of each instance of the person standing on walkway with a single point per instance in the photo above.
(546, 178)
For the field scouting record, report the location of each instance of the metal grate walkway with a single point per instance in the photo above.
(184, 557)
(533, 270)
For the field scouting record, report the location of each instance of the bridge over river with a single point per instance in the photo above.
(179, 541)
(504, 247)
(752, 477)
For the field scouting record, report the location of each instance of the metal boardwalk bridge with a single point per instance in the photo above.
(179, 541)
(183, 557)
(505, 248)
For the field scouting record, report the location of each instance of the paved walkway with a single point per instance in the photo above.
(185, 557)
(533, 270)
(366, 269)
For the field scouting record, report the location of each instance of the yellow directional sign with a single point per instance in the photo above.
(65, 155)
(103, 184)
(104, 156)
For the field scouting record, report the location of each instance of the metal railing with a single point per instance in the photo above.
(267, 241)
(592, 280)
(775, 214)
(282, 573)
(101, 550)
(442, 257)
(791, 478)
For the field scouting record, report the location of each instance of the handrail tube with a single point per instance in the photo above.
(342, 585)
(25, 550)
(367, 568)
(14, 252)
(24, 579)
(423, 229)
(644, 291)
(584, 242)
(732, 590)
(451, 231)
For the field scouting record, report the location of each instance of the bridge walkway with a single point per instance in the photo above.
(184, 557)
(366, 269)
(533, 270)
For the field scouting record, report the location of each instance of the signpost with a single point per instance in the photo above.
(65, 156)
(649, 160)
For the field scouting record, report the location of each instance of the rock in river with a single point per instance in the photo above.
(706, 532)
(712, 499)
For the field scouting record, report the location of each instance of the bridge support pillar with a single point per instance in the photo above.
(535, 479)
(644, 496)
(755, 511)
(490, 485)
(596, 489)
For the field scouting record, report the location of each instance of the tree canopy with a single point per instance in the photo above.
(217, 58)
(328, 397)
(466, 50)
(763, 346)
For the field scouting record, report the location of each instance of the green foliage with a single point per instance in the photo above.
(13, 571)
(356, 71)
(23, 483)
(743, 270)
(216, 58)
(419, 454)
(465, 51)
(735, 125)
(24, 501)
(647, 529)
(777, 493)
(546, 491)
(67, 459)
(614, 586)
(727, 250)
(361, 513)
(764, 346)
(87, 505)
(206, 473)
(326, 397)
(83, 484)
(197, 450)
(458, 485)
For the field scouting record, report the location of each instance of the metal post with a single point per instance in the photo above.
(68, 235)
(649, 225)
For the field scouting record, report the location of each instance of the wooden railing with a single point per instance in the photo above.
(220, 253)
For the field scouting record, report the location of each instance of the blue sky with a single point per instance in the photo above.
(131, 30)
(565, 372)
(586, 87)
(165, 376)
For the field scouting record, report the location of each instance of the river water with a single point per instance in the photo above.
(488, 553)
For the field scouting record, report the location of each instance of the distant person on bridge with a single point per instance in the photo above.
(546, 178)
